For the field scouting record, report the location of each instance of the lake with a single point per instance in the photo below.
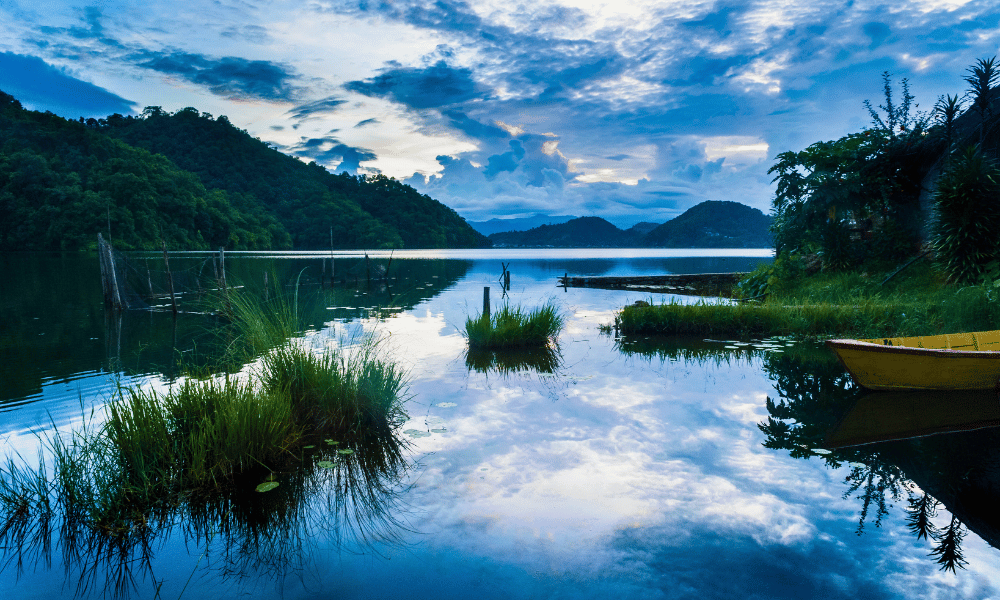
(631, 468)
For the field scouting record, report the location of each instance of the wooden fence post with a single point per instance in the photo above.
(486, 302)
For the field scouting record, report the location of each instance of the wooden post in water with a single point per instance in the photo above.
(486, 302)
(222, 267)
(170, 277)
(506, 280)
(116, 298)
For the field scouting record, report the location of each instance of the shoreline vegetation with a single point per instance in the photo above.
(296, 415)
(889, 232)
(918, 301)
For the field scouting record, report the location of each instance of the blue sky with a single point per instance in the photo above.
(630, 111)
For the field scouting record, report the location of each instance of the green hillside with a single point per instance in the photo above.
(198, 183)
(365, 212)
(583, 232)
(714, 224)
(61, 183)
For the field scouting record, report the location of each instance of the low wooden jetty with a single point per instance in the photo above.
(694, 284)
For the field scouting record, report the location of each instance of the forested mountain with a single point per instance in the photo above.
(714, 224)
(583, 232)
(62, 182)
(198, 183)
(711, 224)
(492, 226)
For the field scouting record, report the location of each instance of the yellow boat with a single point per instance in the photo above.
(953, 361)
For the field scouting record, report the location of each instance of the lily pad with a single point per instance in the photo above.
(345, 451)
(446, 404)
(822, 451)
(331, 442)
(325, 464)
(309, 447)
(441, 430)
(416, 433)
(267, 486)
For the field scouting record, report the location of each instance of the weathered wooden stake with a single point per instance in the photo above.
(506, 280)
(170, 277)
(486, 302)
(222, 266)
(116, 299)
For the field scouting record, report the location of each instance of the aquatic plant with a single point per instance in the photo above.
(335, 412)
(512, 327)
(544, 359)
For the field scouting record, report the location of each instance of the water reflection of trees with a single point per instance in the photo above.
(887, 441)
(349, 501)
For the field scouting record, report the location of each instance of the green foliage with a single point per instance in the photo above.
(844, 199)
(206, 437)
(982, 78)
(512, 327)
(847, 304)
(362, 211)
(197, 183)
(968, 207)
(61, 183)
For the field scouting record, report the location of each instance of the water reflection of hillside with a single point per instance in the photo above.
(55, 327)
(926, 450)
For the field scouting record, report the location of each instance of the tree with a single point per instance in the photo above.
(982, 79)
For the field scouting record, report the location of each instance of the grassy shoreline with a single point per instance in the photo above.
(851, 305)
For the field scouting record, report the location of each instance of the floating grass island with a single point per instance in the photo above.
(513, 327)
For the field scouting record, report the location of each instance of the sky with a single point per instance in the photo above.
(631, 111)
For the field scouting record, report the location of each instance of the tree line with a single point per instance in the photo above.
(194, 182)
(912, 182)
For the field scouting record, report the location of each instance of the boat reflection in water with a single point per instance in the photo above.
(351, 502)
(935, 449)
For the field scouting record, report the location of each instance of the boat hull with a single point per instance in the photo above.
(888, 368)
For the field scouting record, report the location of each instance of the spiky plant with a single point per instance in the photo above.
(982, 79)
(968, 207)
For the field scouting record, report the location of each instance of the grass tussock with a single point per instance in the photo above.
(513, 327)
(204, 437)
(852, 305)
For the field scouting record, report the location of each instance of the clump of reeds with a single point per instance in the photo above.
(513, 327)
(337, 392)
(213, 436)
(863, 319)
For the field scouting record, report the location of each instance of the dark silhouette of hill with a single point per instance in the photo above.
(583, 232)
(713, 224)
(640, 229)
(517, 224)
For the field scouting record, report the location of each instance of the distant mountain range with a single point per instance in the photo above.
(517, 224)
(711, 224)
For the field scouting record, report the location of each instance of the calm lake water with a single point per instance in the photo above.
(631, 468)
